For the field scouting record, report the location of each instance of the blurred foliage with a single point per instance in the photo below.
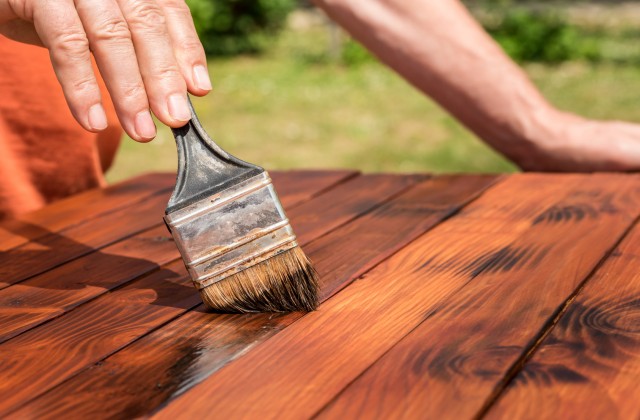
(354, 54)
(297, 106)
(229, 27)
(543, 36)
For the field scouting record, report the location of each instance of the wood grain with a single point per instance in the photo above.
(48, 249)
(297, 186)
(347, 201)
(358, 247)
(293, 186)
(589, 365)
(54, 249)
(172, 359)
(80, 208)
(51, 294)
(370, 191)
(58, 290)
(444, 277)
(518, 277)
(46, 356)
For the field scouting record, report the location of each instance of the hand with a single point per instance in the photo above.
(570, 143)
(445, 53)
(147, 52)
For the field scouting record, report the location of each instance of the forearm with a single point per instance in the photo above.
(438, 47)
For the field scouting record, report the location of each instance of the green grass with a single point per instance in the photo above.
(294, 108)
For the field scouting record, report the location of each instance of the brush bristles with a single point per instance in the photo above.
(284, 283)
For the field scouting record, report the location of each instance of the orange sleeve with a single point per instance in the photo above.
(44, 153)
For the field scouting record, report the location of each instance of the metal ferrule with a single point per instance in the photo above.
(231, 230)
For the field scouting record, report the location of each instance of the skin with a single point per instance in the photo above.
(438, 47)
(147, 52)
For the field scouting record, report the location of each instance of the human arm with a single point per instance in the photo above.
(147, 52)
(439, 48)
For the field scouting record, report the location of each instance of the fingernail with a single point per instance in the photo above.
(144, 125)
(97, 117)
(201, 77)
(178, 108)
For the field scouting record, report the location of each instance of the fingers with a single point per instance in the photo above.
(112, 45)
(164, 83)
(61, 31)
(146, 50)
(6, 12)
(186, 45)
(21, 31)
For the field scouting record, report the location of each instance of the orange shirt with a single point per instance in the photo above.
(44, 153)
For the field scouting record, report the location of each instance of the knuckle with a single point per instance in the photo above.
(147, 14)
(72, 43)
(83, 85)
(192, 46)
(113, 29)
(167, 73)
(22, 9)
(133, 92)
(177, 7)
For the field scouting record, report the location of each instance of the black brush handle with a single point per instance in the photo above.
(203, 167)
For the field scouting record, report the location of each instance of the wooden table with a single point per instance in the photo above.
(443, 297)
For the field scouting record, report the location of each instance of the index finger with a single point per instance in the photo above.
(116, 58)
(187, 47)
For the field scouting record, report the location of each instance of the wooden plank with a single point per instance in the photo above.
(302, 185)
(51, 294)
(172, 359)
(46, 356)
(426, 280)
(589, 365)
(127, 317)
(347, 201)
(48, 249)
(54, 249)
(57, 291)
(358, 247)
(448, 366)
(79, 208)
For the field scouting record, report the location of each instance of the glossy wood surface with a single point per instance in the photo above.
(588, 366)
(516, 282)
(61, 338)
(80, 209)
(176, 363)
(443, 297)
(55, 292)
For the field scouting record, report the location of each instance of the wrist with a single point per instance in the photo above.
(549, 133)
(521, 133)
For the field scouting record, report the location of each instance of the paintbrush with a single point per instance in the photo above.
(232, 232)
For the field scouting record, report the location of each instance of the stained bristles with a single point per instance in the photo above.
(284, 283)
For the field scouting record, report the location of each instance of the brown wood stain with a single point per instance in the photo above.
(448, 297)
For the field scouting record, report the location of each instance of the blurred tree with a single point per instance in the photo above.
(533, 30)
(547, 36)
(228, 27)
